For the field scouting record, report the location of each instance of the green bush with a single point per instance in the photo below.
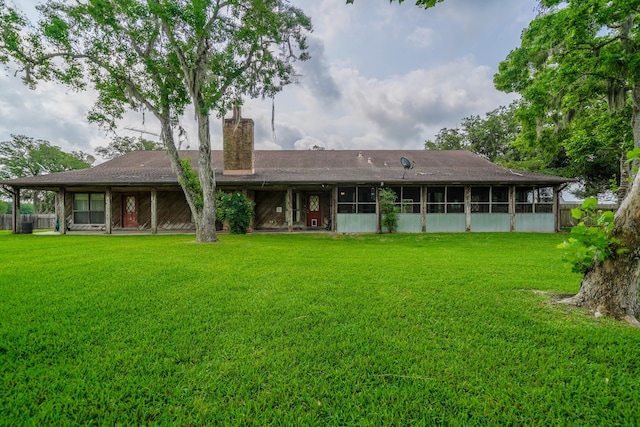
(389, 210)
(236, 210)
(591, 239)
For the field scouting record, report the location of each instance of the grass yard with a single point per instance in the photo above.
(305, 330)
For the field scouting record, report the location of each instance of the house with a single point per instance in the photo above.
(338, 190)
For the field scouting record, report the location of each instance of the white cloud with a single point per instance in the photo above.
(381, 76)
(422, 37)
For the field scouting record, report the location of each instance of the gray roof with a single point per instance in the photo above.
(273, 167)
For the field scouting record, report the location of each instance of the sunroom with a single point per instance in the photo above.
(450, 208)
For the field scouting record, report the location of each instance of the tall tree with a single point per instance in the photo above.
(25, 156)
(573, 54)
(448, 139)
(160, 56)
(120, 145)
(491, 136)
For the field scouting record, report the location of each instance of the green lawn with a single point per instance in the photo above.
(296, 330)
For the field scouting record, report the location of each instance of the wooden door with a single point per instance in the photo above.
(129, 211)
(314, 210)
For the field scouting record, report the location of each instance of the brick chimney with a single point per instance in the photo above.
(237, 140)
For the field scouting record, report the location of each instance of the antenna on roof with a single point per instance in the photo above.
(406, 164)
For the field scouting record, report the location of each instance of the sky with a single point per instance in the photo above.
(381, 76)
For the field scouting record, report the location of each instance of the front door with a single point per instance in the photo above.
(314, 210)
(129, 211)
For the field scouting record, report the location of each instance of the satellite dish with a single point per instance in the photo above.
(406, 164)
(91, 160)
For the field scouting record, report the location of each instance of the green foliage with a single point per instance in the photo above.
(633, 157)
(236, 210)
(191, 182)
(304, 330)
(447, 139)
(26, 209)
(492, 136)
(574, 70)
(7, 208)
(122, 145)
(389, 210)
(25, 156)
(591, 240)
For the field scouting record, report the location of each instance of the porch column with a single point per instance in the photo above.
(423, 208)
(512, 207)
(154, 211)
(290, 209)
(467, 207)
(334, 208)
(15, 210)
(556, 208)
(379, 214)
(61, 213)
(107, 211)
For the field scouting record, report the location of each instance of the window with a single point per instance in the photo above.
(455, 199)
(445, 200)
(534, 200)
(357, 199)
(480, 197)
(435, 199)
(88, 208)
(408, 199)
(490, 199)
(500, 199)
(366, 199)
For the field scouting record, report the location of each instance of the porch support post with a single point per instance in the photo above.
(289, 209)
(423, 208)
(334, 208)
(15, 211)
(379, 213)
(61, 213)
(467, 207)
(512, 207)
(107, 211)
(154, 211)
(556, 208)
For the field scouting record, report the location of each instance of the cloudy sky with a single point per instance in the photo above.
(382, 76)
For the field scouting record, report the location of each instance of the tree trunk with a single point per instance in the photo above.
(625, 175)
(611, 287)
(206, 230)
(174, 157)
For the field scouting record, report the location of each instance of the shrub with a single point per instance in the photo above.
(236, 210)
(591, 239)
(389, 210)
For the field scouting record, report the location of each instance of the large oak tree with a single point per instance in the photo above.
(575, 54)
(161, 56)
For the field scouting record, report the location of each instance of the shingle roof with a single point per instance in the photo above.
(301, 167)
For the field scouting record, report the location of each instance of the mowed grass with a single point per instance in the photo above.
(297, 330)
